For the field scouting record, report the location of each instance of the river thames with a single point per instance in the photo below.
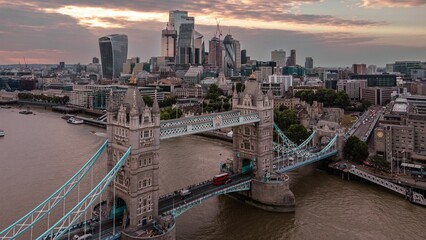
(40, 152)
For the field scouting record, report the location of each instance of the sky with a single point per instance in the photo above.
(333, 32)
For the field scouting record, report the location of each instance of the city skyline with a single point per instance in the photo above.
(377, 31)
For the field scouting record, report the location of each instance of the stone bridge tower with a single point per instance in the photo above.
(253, 151)
(132, 123)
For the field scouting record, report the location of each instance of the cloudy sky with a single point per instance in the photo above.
(333, 32)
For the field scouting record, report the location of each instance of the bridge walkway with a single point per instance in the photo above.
(407, 192)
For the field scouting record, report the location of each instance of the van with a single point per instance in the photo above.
(85, 237)
(184, 193)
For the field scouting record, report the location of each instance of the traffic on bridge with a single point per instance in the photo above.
(198, 192)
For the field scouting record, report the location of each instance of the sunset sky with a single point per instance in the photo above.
(333, 32)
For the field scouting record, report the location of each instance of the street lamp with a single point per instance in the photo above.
(403, 159)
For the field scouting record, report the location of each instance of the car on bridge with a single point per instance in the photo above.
(184, 192)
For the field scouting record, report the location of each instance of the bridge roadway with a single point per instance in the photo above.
(174, 199)
(363, 127)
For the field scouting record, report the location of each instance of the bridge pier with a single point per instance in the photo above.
(272, 195)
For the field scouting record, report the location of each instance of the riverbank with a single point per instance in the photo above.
(413, 191)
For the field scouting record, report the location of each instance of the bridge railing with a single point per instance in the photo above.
(213, 124)
(240, 186)
(69, 219)
(197, 119)
(39, 212)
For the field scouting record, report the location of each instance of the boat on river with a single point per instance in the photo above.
(74, 120)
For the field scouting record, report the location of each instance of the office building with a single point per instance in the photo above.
(95, 60)
(243, 56)
(359, 68)
(229, 58)
(291, 61)
(199, 50)
(309, 63)
(237, 49)
(352, 87)
(378, 80)
(405, 67)
(215, 52)
(185, 48)
(278, 56)
(377, 95)
(372, 69)
(168, 42)
(113, 49)
(401, 134)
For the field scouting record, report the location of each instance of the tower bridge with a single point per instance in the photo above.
(132, 186)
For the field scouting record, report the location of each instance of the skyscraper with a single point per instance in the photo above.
(309, 63)
(359, 68)
(229, 63)
(215, 52)
(176, 20)
(113, 49)
(278, 56)
(185, 54)
(168, 42)
(243, 56)
(291, 61)
(237, 49)
(199, 50)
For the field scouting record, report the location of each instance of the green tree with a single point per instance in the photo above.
(214, 92)
(297, 133)
(342, 100)
(285, 118)
(148, 100)
(282, 108)
(355, 149)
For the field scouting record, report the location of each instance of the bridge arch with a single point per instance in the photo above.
(326, 130)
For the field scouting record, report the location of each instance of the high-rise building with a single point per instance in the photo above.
(61, 65)
(237, 49)
(199, 50)
(359, 68)
(243, 56)
(95, 60)
(291, 61)
(185, 54)
(278, 56)
(309, 63)
(176, 20)
(371, 69)
(229, 63)
(113, 50)
(168, 42)
(215, 52)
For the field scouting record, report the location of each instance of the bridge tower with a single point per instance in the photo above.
(132, 123)
(253, 150)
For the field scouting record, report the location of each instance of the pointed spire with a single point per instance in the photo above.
(134, 110)
(155, 107)
(110, 101)
(133, 78)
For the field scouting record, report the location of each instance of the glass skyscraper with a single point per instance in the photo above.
(228, 44)
(113, 50)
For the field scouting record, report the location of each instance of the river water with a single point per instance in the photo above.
(40, 152)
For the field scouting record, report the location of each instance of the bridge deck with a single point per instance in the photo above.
(175, 200)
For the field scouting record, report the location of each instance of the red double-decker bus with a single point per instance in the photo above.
(220, 179)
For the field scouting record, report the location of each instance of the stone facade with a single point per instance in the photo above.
(253, 144)
(135, 124)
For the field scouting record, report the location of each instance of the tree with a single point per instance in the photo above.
(214, 92)
(342, 100)
(148, 100)
(297, 133)
(285, 118)
(355, 149)
(282, 108)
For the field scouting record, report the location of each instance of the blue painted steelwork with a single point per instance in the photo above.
(302, 158)
(283, 149)
(39, 212)
(242, 186)
(197, 119)
(287, 142)
(192, 125)
(78, 210)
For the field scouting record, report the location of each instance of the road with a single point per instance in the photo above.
(365, 121)
(197, 191)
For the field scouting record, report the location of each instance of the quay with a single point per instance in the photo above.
(412, 192)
